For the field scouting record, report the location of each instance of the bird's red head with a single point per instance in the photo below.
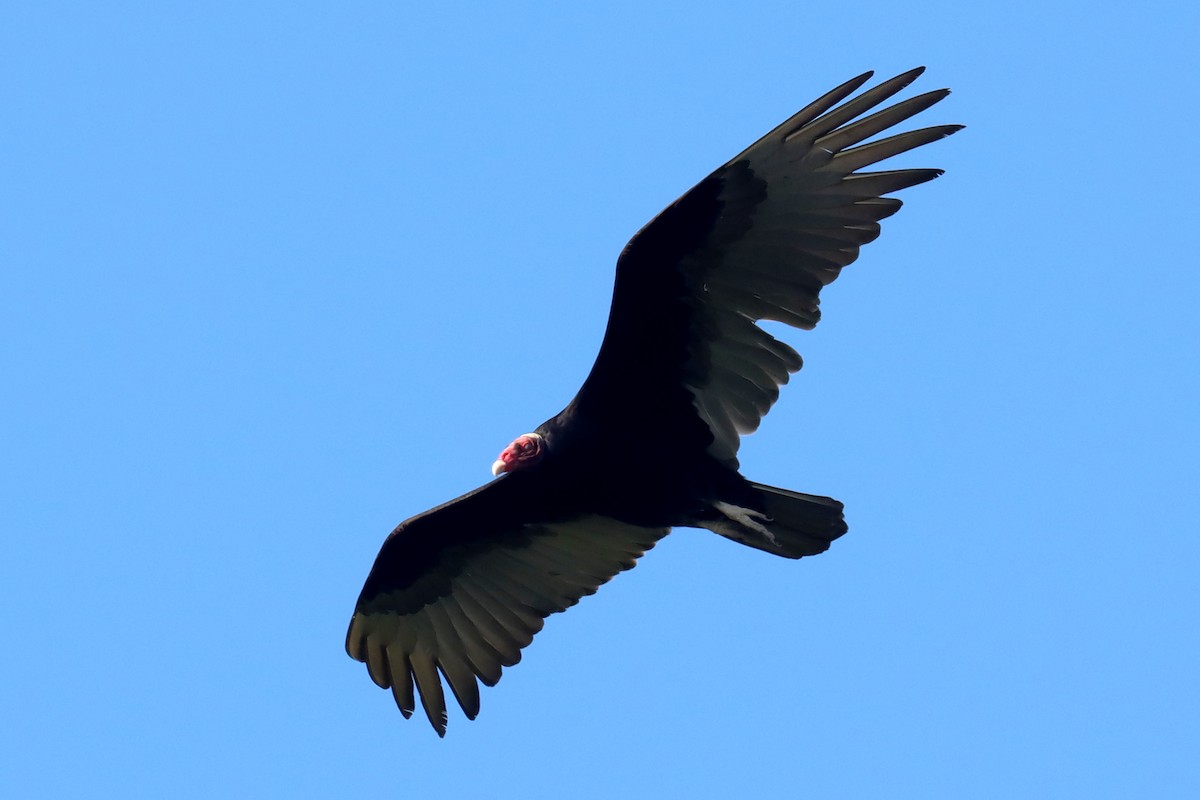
(525, 451)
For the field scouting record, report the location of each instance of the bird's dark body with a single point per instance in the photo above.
(662, 492)
(650, 440)
(669, 479)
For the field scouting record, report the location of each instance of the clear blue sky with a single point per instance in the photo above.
(275, 276)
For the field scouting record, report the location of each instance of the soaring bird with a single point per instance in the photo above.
(651, 439)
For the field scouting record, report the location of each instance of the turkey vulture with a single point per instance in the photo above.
(651, 439)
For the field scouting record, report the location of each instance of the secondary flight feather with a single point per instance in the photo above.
(650, 441)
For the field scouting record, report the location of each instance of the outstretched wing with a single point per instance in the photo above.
(461, 589)
(755, 240)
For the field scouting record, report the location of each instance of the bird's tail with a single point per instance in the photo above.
(783, 522)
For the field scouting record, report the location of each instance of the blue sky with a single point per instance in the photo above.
(277, 276)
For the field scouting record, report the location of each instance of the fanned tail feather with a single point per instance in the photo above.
(801, 524)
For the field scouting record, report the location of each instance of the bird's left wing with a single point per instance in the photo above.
(461, 589)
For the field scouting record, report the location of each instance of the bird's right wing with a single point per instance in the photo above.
(758, 239)
(461, 589)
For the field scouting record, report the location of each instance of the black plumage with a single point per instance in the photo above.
(650, 441)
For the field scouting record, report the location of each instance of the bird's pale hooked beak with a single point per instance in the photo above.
(499, 468)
